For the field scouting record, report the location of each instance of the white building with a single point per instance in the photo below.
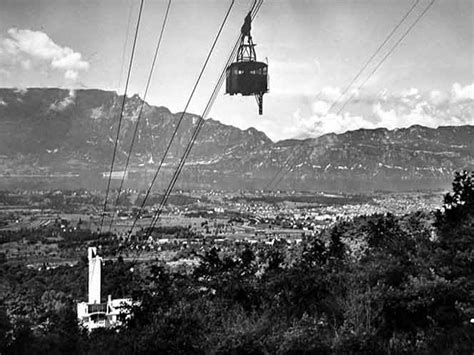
(116, 175)
(94, 314)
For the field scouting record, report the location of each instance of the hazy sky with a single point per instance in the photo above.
(314, 48)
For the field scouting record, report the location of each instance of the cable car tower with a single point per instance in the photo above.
(246, 76)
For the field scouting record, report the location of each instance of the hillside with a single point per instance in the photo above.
(54, 137)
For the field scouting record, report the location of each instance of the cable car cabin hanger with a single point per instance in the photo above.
(246, 76)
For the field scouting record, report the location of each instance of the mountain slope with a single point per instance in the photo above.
(55, 131)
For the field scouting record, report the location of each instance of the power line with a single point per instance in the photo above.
(125, 43)
(377, 51)
(371, 74)
(197, 129)
(277, 177)
(121, 114)
(213, 96)
(182, 115)
(195, 133)
(141, 107)
(420, 16)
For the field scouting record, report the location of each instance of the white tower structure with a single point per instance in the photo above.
(94, 314)
(95, 264)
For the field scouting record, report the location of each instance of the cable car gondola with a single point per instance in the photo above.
(246, 76)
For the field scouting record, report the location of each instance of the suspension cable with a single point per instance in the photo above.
(195, 133)
(121, 116)
(377, 51)
(141, 108)
(197, 129)
(395, 45)
(420, 16)
(125, 44)
(182, 115)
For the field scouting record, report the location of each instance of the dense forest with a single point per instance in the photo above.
(379, 284)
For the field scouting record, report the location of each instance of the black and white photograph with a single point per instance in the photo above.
(237, 177)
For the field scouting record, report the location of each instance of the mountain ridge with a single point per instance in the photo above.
(56, 131)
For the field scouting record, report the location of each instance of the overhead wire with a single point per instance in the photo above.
(420, 16)
(175, 131)
(121, 116)
(254, 9)
(196, 132)
(378, 65)
(137, 123)
(277, 177)
(377, 51)
(125, 43)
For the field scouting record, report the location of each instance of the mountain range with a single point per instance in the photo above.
(63, 138)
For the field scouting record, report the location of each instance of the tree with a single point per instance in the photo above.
(454, 257)
(456, 232)
(337, 248)
(6, 330)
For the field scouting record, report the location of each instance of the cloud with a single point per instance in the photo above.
(21, 90)
(462, 93)
(384, 116)
(330, 93)
(59, 106)
(292, 78)
(383, 95)
(317, 66)
(335, 95)
(412, 92)
(71, 75)
(317, 125)
(320, 107)
(403, 109)
(395, 118)
(28, 48)
(431, 109)
(438, 98)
